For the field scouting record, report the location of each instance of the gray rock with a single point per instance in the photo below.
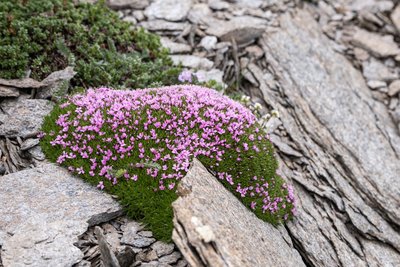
(283, 147)
(126, 256)
(348, 199)
(250, 3)
(47, 209)
(124, 4)
(193, 62)
(235, 236)
(36, 153)
(218, 4)
(27, 83)
(213, 74)
(57, 84)
(380, 46)
(131, 236)
(208, 42)
(170, 259)
(29, 143)
(24, 117)
(83, 263)
(175, 48)
(139, 15)
(162, 248)
(172, 10)
(395, 16)
(162, 25)
(375, 70)
(6, 91)
(394, 88)
(376, 84)
(146, 256)
(242, 29)
(107, 255)
(199, 13)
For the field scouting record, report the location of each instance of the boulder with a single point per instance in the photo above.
(47, 209)
(213, 228)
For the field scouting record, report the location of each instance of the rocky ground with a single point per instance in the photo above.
(331, 68)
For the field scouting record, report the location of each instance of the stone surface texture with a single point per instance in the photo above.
(46, 210)
(213, 228)
(172, 10)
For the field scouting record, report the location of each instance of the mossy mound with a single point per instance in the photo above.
(42, 36)
(138, 145)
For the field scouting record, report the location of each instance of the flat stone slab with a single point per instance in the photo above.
(213, 228)
(45, 210)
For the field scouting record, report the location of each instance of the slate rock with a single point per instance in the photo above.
(175, 48)
(236, 236)
(23, 117)
(193, 62)
(6, 91)
(172, 10)
(375, 70)
(394, 88)
(57, 84)
(162, 25)
(199, 13)
(380, 46)
(124, 4)
(162, 248)
(29, 143)
(47, 209)
(26, 83)
(107, 255)
(395, 16)
(242, 29)
(171, 258)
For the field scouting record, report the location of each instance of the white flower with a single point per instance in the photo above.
(245, 98)
(275, 113)
(257, 106)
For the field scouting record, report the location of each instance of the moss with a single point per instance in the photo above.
(42, 36)
(151, 134)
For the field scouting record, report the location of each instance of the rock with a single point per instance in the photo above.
(175, 48)
(124, 4)
(394, 88)
(376, 84)
(130, 19)
(396, 115)
(172, 10)
(162, 248)
(375, 70)
(24, 117)
(250, 3)
(107, 256)
(170, 259)
(57, 84)
(162, 25)
(6, 91)
(193, 62)
(208, 42)
(213, 74)
(145, 233)
(47, 209)
(126, 256)
(361, 54)
(395, 16)
(131, 236)
(218, 4)
(26, 83)
(380, 46)
(83, 263)
(139, 15)
(348, 200)
(146, 256)
(254, 51)
(37, 153)
(29, 143)
(283, 147)
(199, 13)
(238, 237)
(242, 29)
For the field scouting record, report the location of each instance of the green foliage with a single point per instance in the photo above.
(43, 36)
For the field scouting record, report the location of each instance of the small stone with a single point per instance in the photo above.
(213, 74)
(394, 101)
(380, 46)
(242, 29)
(208, 42)
(395, 16)
(27, 83)
(57, 84)
(250, 3)
(131, 228)
(146, 256)
(139, 15)
(126, 256)
(193, 62)
(376, 84)
(162, 25)
(254, 51)
(172, 10)
(83, 263)
(151, 264)
(125, 4)
(162, 248)
(394, 88)
(218, 5)
(6, 91)
(29, 143)
(181, 263)
(375, 70)
(199, 13)
(170, 259)
(37, 153)
(107, 255)
(175, 48)
(130, 19)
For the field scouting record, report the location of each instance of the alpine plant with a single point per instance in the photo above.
(139, 144)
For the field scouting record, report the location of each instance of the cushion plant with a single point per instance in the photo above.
(138, 145)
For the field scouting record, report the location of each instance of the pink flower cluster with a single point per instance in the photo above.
(162, 130)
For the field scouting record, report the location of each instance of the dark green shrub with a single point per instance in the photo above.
(47, 35)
